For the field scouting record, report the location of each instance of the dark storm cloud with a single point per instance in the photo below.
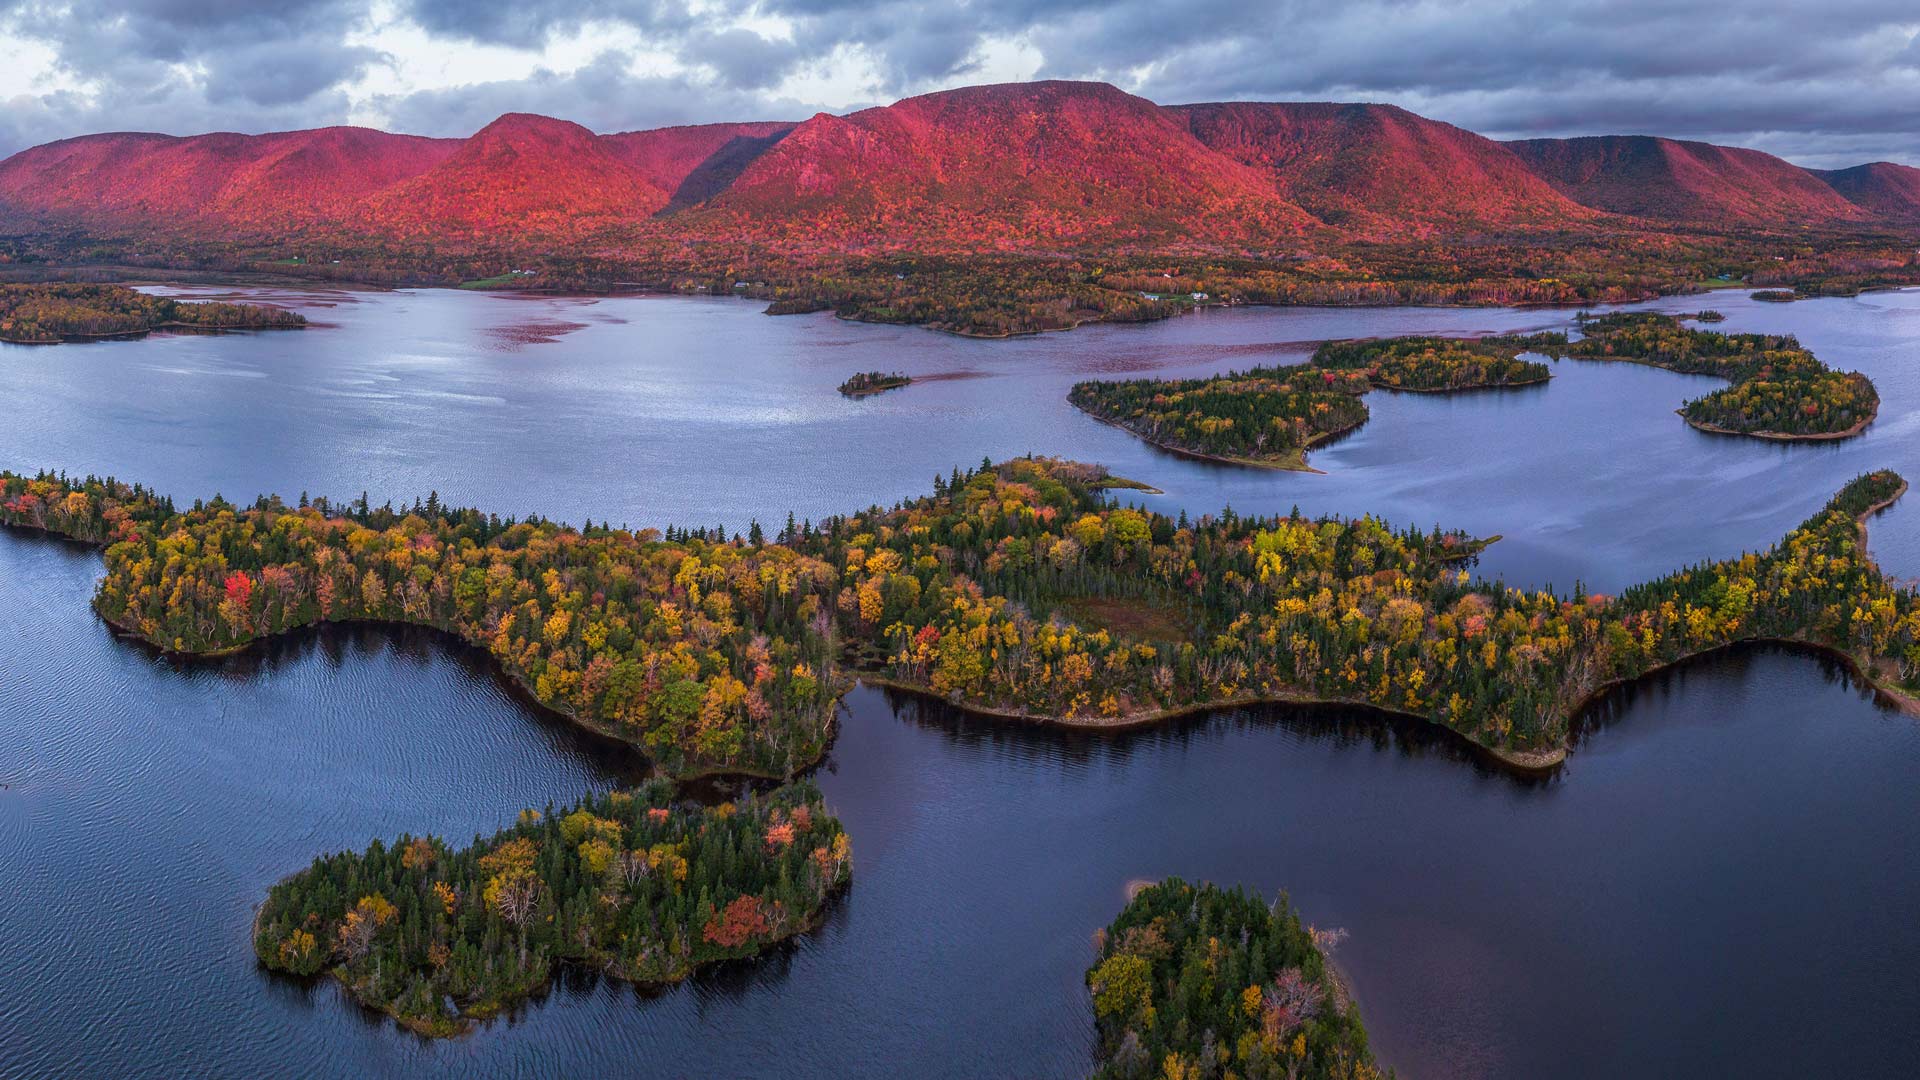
(1828, 83)
(186, 65)
(97, 36)
(743, 59)
(528, 25)
(604, 95)
(1805, 80)
(273, 74)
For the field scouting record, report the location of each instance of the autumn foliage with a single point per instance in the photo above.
(1271, 415)
(44, 314)
(1779, 390)
(730, 654)
(1201, 982)
(628, 883)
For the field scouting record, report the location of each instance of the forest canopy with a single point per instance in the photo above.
(1270, 416)
(45, 314)
(628, 883)
(1780, 390)
(1202, 982)
(1021, 588)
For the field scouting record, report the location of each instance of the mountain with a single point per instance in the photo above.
(239, 179)
(1034, 167)
(1882, 188)
(1382, 169)
(1009, 166)
(1693, 182)
(524, 175)
(695, 163)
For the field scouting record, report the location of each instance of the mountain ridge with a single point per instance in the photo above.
(1015, 167)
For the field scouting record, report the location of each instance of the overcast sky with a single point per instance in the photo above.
(1826, 83)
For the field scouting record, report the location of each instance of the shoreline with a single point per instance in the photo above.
(1783, 436)
(700, 771)
(1298, 462)
(1906, 701)
(466, 1023)
(263, 277)
(872, 390)
(80, 337)
(1525, 761)
(1715, 429)
(1470, 388)
(1277, 465)
(1540, 760)
(841, 678)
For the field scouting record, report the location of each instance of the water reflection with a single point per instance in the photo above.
(1709, 886)
(651, 410)
(1342, 729)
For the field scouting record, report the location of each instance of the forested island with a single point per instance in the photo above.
(873, 382)
(1270, 416)
(711, 655)
(1779, 391)
(1202, 982)
(630, 883)
(1020, 589)
(51, 313)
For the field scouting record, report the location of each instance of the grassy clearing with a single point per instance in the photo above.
(1131, 618)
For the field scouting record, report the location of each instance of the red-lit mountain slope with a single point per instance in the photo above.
(521, 175)
(693, 164)
(1025, 167)
(1380, 169)
(1886, 190)
(1693, 182)
(245, 180)
(1021, 165)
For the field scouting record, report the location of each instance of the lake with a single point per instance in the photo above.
(1716, 882)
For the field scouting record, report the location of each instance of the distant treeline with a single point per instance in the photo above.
(993, 295)
(49, 313)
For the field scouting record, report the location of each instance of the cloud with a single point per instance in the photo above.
(530, 23)
(605, 95)
(1823, 84)
(283, 73)
(742, 58)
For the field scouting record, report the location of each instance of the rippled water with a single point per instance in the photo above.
(1718, 881)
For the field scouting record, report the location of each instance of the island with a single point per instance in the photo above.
(629, 883)
(1775, 296)
(1269, 417)
(873, 382)
(1780, 390)
(49, 314)
(1200, 981)
(1020, 589)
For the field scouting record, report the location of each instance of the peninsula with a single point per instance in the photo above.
(48, 314)
(1270, 416)
(1019, 589)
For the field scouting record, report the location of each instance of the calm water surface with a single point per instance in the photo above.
(1719, 881)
